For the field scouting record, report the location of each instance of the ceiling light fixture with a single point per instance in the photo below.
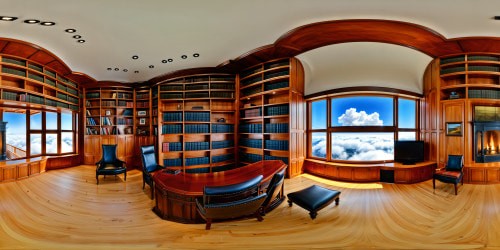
(116, 69)
(164, 61)
(70, 30)
(109, 68)
(170, 60)
(31, 21)
(8, 18)
(77, 36)
(81, 41)
(184, 56)
(496, 17)
(137, 71)
(47, 23)
(196, 55)
(125, 70)
(135, 57)
(151, 66)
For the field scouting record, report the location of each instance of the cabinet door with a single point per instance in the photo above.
(92, 149)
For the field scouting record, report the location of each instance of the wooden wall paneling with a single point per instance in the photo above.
(92, 149)
(492, 175)
(22, 171)
(476, 175)
(9, 173)
(454, 111)
(34, 168)
(129, 150)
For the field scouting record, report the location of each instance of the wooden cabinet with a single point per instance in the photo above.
(197, 120)
(20, 169)
(272, 114)
(23, 81)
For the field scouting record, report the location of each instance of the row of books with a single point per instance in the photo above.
(276, 64)
(202, 145)
(251, 143)
(172, 116)
(196, 95)
(172, 162)
(73, 100)
(276, 144)
(35, 77)
(62, 96)
(171, 95)
(91, 122)
(91, 131)
(222, 128)
(251, 91)
(61, 87)
(277, 110)
(483, 68)
(196, 86)
(221, 158)
(222, 144)
(276, 85)
(13, 96)
(106, 121)
(197, 128)
(252, 113)
(14, 61)
(171, 87)
(108, 103)
(276, 128)
(93, 95)
(197, 161)
(142, 96)
(222, 94)
(171, 129)
(484, 93)
(122, 103)
(269, 75)
(142, 104)
(222, 86)
(171, 146)
(197, 116)
(124, 121)
(224, 167)
(251, 128)
(251, 80)
(109, 131)
(246, 157)
(452, 59)
(452, 70)
(13, 71)
(197, 170)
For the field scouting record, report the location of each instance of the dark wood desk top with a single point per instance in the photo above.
(192, 184)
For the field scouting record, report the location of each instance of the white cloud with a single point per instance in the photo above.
(353, 118)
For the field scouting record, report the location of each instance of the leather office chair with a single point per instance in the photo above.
(109, 163)
(275, 192)
(451, 173)
(149, 165)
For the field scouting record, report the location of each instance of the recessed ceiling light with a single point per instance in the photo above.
(196, 55)
(164, 61)
(70, 30)
(47, 23)
(170, 60)
(135, 57)
(151, 66)
(116, 69)
(496, 17)
(137, 71)
(125, 70)
(7, 18)
(31, 21)
(81, 41)
(110, 69)
(184, 56)
(77, 36)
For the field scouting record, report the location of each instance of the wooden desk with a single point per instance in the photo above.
(176, 194)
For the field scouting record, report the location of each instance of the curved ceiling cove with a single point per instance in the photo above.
(364, 64)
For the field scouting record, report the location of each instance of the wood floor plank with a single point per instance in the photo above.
(65, 209)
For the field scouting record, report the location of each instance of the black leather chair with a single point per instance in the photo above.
(275, 192)
(149, 165)
(109, 163)
(231, 201)
(451, 173)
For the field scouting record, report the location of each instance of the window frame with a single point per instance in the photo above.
(354, 129)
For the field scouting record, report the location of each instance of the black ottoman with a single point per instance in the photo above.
(313, 198)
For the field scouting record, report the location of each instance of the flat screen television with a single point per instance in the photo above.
(408, 152)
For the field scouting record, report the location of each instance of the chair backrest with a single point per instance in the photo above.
(148, 156)
(455, 163)
(232, 192)
(275, 186)
(109, 153)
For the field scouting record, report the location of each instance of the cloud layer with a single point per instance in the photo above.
(353, 118)
(356, 147)
(19, 140)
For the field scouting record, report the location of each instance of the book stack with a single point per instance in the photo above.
(14, 71)
(172, 162)
(92, 95)
(91, 121)
(276, 128)
(221, 94)
(91, 131)
(171, 95)
(251, 91)
(276, 144)
(197, 128)
(277, 110)
(35, 99)
(221, 158)
(197, 161)
(106, 121)
(197, 116)
(6, 95)
(171, 146)
(453, 59)
(251, 143)
(50, 82)
(196, 87)
(35, 77)
(222, 128)
(142, 96)
(251, 80)
(222, 144)
(252, 112)
(108, 103)
(452, 70)
(270, 75)
(196, 95)
(172, 116)
(246, 157)
(203, 145)
(171, 129)
(271, 157)
(222, 86)
(251, 128)
(276, 85)
(171, 88)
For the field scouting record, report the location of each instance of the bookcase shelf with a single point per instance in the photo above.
(24, 81)
(266, 94)
(470, 76)
(197, 118)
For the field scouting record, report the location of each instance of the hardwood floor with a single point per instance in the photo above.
(65, 209)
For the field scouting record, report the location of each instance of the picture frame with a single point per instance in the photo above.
(107, 112)
(142, 121)
(454, 129)
(141, 113)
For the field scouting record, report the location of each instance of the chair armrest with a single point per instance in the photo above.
(98, 163)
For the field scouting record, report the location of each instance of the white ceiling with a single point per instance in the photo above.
(220, 30)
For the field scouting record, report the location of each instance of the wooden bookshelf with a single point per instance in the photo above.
(196, 123)
(23, 81)
(272, 114)
(109, 119)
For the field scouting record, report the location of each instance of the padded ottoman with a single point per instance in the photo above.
(313, 198)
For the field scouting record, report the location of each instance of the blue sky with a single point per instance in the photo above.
(16, 122)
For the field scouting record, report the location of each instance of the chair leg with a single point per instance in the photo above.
(152, 191)
(143, 183)
(97, 178)
(125, 176)
(455, 188)
(257, 214)
(209, 223)
(433, 183)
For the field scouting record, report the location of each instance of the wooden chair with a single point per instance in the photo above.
(275, 192)
(451, 173)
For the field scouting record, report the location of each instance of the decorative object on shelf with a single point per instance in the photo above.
(454, 95)
(142, 121)
(108, 112)
(221, 120)
(141, 113)
(179, 107)
(248, 105)
(454, 129)
(197, 108)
